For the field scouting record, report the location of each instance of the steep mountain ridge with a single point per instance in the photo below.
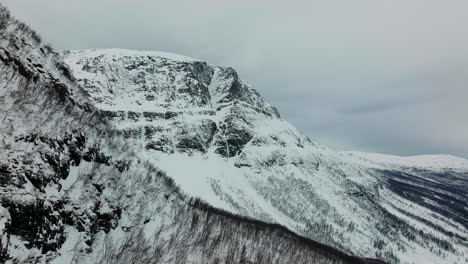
(230, 148)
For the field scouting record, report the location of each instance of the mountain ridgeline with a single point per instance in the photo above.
(118, 156)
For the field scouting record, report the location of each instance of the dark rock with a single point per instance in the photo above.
(161, 144)
(169, 115)
(94, 154)
(40, 224)
(234, 140)
(99, 187)
(187, 143)
(122, 165)
(201, 140)
(150, 116)
(133, 115)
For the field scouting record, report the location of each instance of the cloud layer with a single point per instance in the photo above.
(379, 76)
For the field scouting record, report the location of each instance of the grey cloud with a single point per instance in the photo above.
(382, 76)
(372, 107)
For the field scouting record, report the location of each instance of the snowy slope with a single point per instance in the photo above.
(222, 142)
(423, 162)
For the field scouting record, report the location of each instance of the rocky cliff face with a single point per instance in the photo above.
(153, 94)
(103, 153)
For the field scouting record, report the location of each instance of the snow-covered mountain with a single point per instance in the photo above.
(104, 152)
(76, 188)
(221, 142)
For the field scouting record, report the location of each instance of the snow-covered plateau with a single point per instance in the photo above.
(119, 156)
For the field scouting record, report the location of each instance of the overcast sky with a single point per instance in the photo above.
(369, 75)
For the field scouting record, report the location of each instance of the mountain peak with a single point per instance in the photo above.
(142, 81)
(117, 52)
